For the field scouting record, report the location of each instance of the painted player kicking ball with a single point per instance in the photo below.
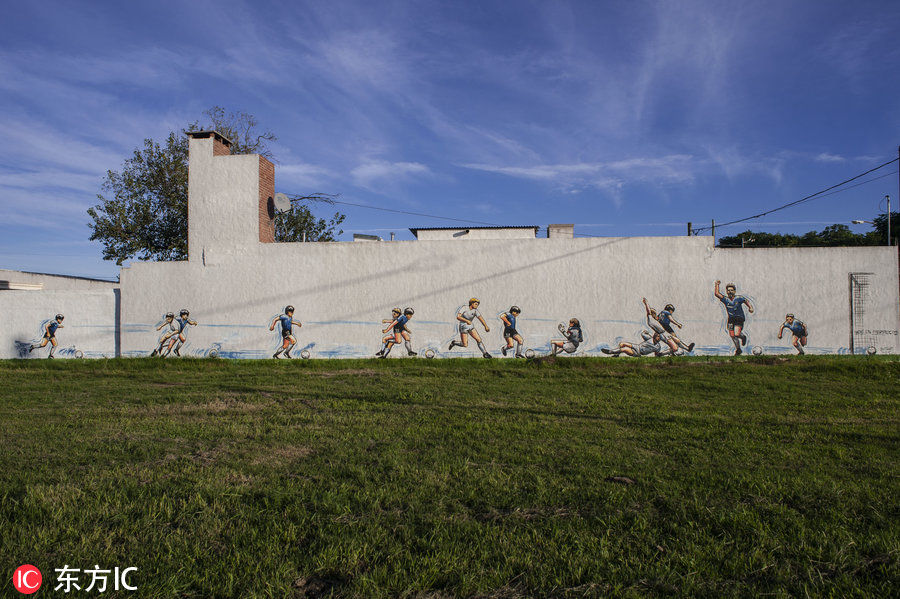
(573, 339)
(510, 333)
(49, 335)
(466, 316)
(735, 311)
(171, 329)
(179, 338)
(655, 326)
(798, 332)
(288, 341)
(666, 319)
(398, 331)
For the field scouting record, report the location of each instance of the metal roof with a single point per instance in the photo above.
(415, 230)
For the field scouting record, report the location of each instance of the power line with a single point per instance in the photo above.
(816, 195)
(330, 201)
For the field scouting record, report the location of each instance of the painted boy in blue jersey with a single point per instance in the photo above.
(734, 309)
(49, 335)
(181, 323)
(510, 332)
(171, 330)
(398, 332)
(288, 341)
(666, 320)
(798, 331)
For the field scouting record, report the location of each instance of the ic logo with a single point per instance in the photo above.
(27, 579)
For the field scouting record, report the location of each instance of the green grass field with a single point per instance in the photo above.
(456, 478)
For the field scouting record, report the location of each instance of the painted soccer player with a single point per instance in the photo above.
(171, 330)
(182, 322)
(510, 333)
(398, 331)
(798, 331)
(666, 319)
(49, 335)
(735, 311)
(573, 339)
(649, 345)
(288, 341)
(466, 327)
(656, 327)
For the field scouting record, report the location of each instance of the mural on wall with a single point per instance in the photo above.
(50, 327)
(653, 322)
(288, 341)
(466, 327)
(798, 331)
(649, 344)
(511, 333)
(573, 338)
(175, 333)
(397, 332)
(735, 312)
(666, 320)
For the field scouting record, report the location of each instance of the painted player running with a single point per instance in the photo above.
(573, 339)
(398, 330)
(49, 335)
(171, 330)
(798, 332)
(466, 327)
(735, 311)
(179, 338)
(288, 341)
(649, 345)
(510, 333)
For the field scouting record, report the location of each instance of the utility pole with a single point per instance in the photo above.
(888, 198)
(714, 232)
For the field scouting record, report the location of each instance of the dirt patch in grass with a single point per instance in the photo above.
(282, 454)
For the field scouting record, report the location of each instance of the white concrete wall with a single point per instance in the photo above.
(53, 282)
(223, 212)
(89, 326)
(342, 291)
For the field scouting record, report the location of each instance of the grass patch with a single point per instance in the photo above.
(457, 478)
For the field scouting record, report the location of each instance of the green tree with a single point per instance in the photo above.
(142, 212)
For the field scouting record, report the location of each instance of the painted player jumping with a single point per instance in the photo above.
(49, 335)
(735, 311)
(398, 331)
(288, 341)
(573, 338)
(657, 327)
(171, 330)
(466, 327)
(510, 333)
(798, 332)
(179, 338)
(666, 319)
(649, 345)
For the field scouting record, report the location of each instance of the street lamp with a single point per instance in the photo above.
(861, 222)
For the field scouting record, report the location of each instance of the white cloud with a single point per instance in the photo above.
(367, 174)
(826, 157)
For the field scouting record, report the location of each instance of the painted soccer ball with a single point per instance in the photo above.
(757, 351)
(213, 353)
(304, 354)
(529, 353)
(871, 350)
(79, 354)
(429, 353)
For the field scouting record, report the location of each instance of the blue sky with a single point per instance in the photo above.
(626, 118)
